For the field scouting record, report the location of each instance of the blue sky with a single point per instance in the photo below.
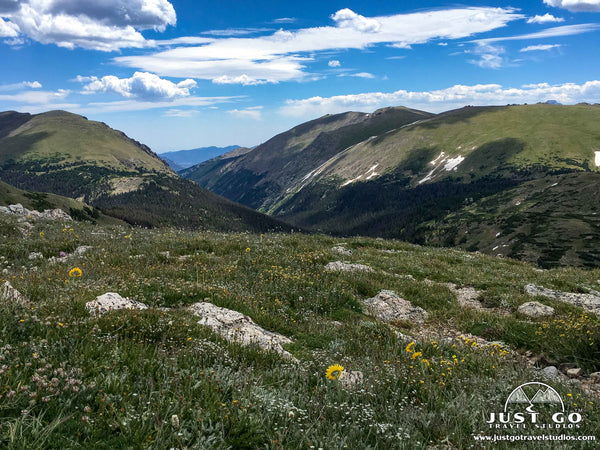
(184, 74)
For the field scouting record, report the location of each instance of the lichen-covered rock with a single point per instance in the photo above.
(589, 302)
(339, 266)
(48, 214)
(237, 327)
(349, 379)
(341, 250)
(535, 309)
(10, 294)
(112, 301)
(387, 306)
(467, 297)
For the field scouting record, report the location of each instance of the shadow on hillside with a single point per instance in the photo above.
(16, 146)
(456, 116)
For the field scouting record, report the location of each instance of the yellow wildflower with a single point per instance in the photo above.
(334, 371)
(75, 272)
(409, 347)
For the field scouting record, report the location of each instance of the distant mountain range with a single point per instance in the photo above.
(66, 154)
(519, 181)
(182, 159)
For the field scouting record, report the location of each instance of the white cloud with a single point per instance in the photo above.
(445, 99)
(565, 30)
(21, 85)
(8, 29)
(180, 113)
(36, 97)
(533, 48)
(575, 5)
(280, 56)
(346, 18)
(142, 85)
(285, 20)
(334, 63)
(243, 79)
(546, 18)
(247, 113)
(104, 25)
(490, 56)
(357, 75)
(236, 31)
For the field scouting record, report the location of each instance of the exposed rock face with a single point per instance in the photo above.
(341, 250)
(339, 266)
(236, 327)
(10, 294)
(110, 302)
(535, 309)
(467, 296)
(349, 379)
(387, 306)
(48, 214)
(589, 302)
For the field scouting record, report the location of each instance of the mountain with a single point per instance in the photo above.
(182, 159)
(68, 155)
(519, 181)
(271, 173)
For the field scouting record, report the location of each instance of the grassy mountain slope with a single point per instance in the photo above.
(273, 171)
(158, 379)
(427, 183)
(40, 201)
(67, 154)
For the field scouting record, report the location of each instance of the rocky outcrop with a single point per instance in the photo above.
(112, 301)
(10, 294)
(588, 302)
(341, 250)
(388, 306)
(339, 266)
(237, 327)
(535, 309)
(48, 214)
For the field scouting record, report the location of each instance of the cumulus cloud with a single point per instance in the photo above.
(141, 85)
(346, 18)
(8, 29)
(545, 47)
(445, 99)
(104, 25)
(21, 85)
(280, 56)
(546, 18)
(575, 5)
(334, 63)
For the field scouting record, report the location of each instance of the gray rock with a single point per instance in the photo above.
(48, 214)
(588, 302)
(10, 294)
(595, 377)
(339, 266)
(237, 327)
(551, 372)
(349, 379)
(535, 309)
(574, 373)
(341, 250)
(467, 297)
(387, 306)
(112, 301)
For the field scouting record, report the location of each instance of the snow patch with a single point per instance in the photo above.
(442, 162)
(453, 163)
(597, 161)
